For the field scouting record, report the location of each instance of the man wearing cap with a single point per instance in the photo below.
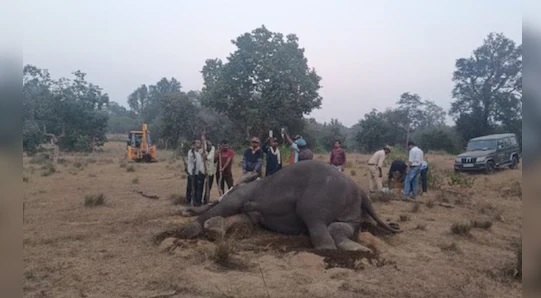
(375, 165)
(274, 159)
(252, 160)
(300, 151)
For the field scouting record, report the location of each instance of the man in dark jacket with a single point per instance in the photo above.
(274, 159)
(397, 171)
(252, 160)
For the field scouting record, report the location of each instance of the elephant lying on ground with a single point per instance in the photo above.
(309, 197)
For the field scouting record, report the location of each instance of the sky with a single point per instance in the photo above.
(367, 52)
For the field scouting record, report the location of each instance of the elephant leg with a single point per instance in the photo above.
(342, 233)
(214, 227)
(320, 236)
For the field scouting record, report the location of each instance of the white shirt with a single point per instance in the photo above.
(198, 159)
(416, 156)
(211, 169)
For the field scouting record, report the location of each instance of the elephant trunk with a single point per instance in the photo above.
(229, 206)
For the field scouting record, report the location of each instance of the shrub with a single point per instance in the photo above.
(404, 218)
(485, 225)
(48, 169)
(94, 200)
(461, 228)
(177, 199)
(435, 180)
(457, 179)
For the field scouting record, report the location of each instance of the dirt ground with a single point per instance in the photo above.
(110, 250)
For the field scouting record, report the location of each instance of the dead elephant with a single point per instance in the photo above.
(309, 197)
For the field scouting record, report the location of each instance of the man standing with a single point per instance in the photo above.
(196, 171)
(274, 159)
(338, 157)
(411, 184)
(224, 158)
(424, 176)
(300, 151)
(252, 159)
(211, 169)
(375, 165)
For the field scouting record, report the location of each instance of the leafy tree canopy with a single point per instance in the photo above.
(73, 110)
(488, 88)
(266, 83)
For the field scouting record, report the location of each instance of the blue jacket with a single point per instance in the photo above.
(252, 161)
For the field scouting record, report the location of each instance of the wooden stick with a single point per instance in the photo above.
(221, 173)
(206, 191)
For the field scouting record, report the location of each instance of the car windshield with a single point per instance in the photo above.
(481, 145)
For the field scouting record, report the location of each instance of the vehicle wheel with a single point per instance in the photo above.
(514, 165)
(491, 167)
(147, 158)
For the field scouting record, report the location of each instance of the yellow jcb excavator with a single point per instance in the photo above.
(140, 147)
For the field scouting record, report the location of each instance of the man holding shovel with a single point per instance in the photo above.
(224, 159)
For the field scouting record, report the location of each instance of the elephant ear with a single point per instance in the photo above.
(246, 178)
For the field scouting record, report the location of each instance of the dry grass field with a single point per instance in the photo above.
(89, 232)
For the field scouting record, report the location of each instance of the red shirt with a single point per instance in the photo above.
(225, 155)
(338, 157)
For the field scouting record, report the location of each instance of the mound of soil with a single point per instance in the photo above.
(263, 241)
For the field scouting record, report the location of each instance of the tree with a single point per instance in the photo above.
(145, 101)
(138, 99)
(37, 84)
(438, 138)
(418, 114)
(378, 129)
(331, 132)
(178, 118)
(265, 84)
(68, 112)
(121, 120)
(433, 115)
(488, 87)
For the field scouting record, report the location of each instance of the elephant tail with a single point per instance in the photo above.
(366, 205)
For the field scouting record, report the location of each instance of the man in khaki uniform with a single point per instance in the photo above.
(375, 165)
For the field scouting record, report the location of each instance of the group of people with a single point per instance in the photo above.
(410, 172)
(204, 166)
